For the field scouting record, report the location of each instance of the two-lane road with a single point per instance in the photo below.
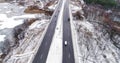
(42, 53)
(68, 53)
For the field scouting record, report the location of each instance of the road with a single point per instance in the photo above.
(42, 53)
(68, 54)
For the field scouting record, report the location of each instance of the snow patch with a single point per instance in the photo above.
(75, 8)
(5, 7)
(38, 24)
(52, 7)
(2, 37)
(13, 21)
(8, 11)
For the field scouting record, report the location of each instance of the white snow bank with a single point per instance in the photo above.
(13, 21)
(2, 37)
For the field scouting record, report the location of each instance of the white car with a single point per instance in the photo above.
(66, 43)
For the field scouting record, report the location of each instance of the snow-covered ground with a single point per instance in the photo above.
(28, 45)
(94, 46)
(74, 7)
(52, 7)
(11, 9)
(12, 16)
(2, 38)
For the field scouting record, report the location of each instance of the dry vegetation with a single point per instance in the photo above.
(35, 9)
(96, 14)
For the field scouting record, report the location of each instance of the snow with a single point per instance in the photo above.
(94, 44)
(74, 37)
(55, 52)
(13, 21)
(87, 25)
(12, 15)
(2, 37)
(8, 11)
(27, 48)
(5, 7)
(52, 6)
(4, 3)
(21, 7)
(82, 2)
(75, 8)
(37, 24)
(11, 9)
(25, 16)
(42, 4)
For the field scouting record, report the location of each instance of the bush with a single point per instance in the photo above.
(102, 2)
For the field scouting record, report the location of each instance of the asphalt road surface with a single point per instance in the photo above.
(42, 53)
(68, 54)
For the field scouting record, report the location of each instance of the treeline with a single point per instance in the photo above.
(110, 3)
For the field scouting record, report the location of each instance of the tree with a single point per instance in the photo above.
(102, 2)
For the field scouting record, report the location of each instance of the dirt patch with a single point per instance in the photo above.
(35, 9)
